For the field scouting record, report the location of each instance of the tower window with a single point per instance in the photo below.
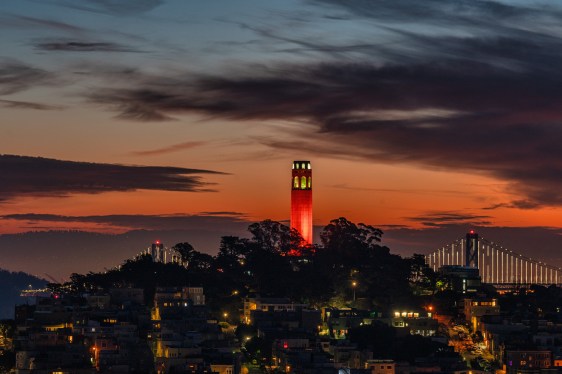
(309, 182)
(303, 183)
(302, 165)
(296, 182)
(308, 166)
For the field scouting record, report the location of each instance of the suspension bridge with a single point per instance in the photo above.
(497, 265)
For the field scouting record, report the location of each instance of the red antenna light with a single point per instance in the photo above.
(472, 231)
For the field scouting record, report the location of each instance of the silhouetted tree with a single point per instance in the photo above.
(275, 237)
(185, 251)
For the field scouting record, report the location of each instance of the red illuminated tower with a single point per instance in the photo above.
(301, 199)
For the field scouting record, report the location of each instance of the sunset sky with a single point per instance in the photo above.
(424, 118)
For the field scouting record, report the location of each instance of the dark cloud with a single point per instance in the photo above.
(114, 7)
(343, 186)
(169, 149)
(437, 219)
(82, 46)
(439, 12)
(484, 100)
(518, 204)
(16, 76)
(36, 176)
(456, 114)
(27, 105)
(224, 213)
(203, 221)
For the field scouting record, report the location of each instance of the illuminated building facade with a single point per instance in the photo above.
(301, 199)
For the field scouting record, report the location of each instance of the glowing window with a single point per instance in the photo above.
(303, 182)
(296, 182)
(309, 182)
(302, 165)
(308, 166)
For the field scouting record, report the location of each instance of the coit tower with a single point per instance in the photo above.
(301, 199)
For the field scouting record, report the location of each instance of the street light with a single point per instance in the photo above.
(353, 285)
(225, 315)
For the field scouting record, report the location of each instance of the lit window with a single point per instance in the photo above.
(296, 182)
(309, 182)
(303, 183)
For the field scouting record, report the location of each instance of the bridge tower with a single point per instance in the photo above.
(301, 199)
(471, 249)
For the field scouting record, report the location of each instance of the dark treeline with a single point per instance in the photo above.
(274, 262)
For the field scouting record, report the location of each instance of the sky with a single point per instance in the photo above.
(423, 118)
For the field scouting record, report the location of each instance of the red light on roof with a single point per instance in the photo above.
(285, 345)
(158, 242)
(472, 231)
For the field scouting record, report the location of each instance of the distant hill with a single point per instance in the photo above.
(61, 253)
(12, 284)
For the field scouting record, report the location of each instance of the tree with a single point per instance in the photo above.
(185, 251)
(341, 233)
(275, 237)
(201, 261)
(352, 253)
(233, 247)
(422, 278)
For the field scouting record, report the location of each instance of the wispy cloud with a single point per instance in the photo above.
(170, 149)
(65, 45)
(203, 221)
(113, 7)
(343, 186)
(27, 105)
(42, 23)
(16, 76)
(481, 100)
(437, 219)
(35, 177)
